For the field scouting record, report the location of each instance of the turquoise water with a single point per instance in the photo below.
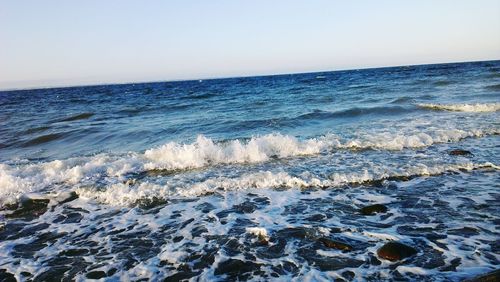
(178, 179)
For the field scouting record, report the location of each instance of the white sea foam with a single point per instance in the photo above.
(486, 107)
(125, 195)
(258, 231)
(184, 219)
(21, 179)
(204, 151)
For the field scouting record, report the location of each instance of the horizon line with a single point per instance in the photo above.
(231, 77)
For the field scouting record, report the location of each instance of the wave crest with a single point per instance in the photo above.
(475, 108)
(204, 152)
(126, 195)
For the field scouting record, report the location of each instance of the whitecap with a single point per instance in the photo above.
(476, 108)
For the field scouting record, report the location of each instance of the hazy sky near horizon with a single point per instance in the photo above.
(55, 43)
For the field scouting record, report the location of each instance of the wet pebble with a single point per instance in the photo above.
(459, 152)
(373, 209)
(29, 208)
(335, 244)
(395, 251)
(96, 275)
(464, 231)
(235, 268)
(6, 276)
(454, 263)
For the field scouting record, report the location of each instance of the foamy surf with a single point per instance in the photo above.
(124, 194)
(203, 153)
(473, 108)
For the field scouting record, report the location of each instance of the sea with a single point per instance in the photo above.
(264, 178)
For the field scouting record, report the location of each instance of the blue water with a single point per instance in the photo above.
(188, 168)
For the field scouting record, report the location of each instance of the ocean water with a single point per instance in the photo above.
(247, 178)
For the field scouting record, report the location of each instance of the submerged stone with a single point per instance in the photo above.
(492, 276)
(296, 232)
(29, 208)
(74, 252)
(67, 197)
(245, 207)
(335, 244)
(464, 231)
(96, 275)
(235, 267)
(459, 152)
(333, 264)
(349, 275)
(373, 209)
(395, 251)
(454, 263)
(7, 276)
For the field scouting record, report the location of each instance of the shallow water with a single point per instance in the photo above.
(246, 178)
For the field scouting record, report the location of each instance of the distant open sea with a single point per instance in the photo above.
(255, 178)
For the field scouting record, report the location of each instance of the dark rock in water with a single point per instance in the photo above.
(488, 277)
(26, 275)
(296, 232)
(464, 231)
(235, 268)
(69, 197)
(262, 240)
(29, 208)
(374, 260)
(150, 203)
(316, 217)
(335, 244)
(74, 252)
(284, 268)
(459, 152)
(349, 275)
(275, 250)
(112, 271)
(96, 275)
(332, 264)
(7, 276)
(245, 207)
(373, 209)
(205, 260)
(327, 263)
(181, 276)
(395, 251)
(454, 263)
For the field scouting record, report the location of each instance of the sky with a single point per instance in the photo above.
(61, 43)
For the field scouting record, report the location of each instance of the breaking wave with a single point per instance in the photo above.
(476, 108)
(204, 152)
(124, 194)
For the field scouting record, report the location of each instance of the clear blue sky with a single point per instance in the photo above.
(51, 43)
